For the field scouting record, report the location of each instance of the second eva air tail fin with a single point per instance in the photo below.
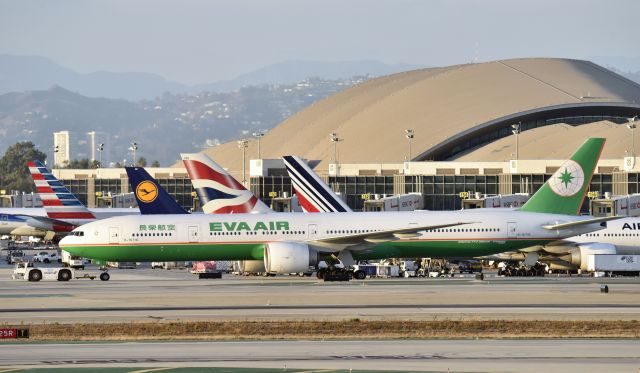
(565, 190)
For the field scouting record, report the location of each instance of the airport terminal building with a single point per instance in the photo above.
(499, 127)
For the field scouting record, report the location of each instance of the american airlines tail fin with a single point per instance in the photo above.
(565, 190)
(152, 198)
(218, 191)
(58, 201)
(314, 195)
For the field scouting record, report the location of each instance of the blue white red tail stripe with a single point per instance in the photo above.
(314, 195)
(219, 192)
(58, 202)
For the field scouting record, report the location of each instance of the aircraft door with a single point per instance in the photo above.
(5, 220)
(512, 230)
(312, 231)
(193, 233)
(113, 235)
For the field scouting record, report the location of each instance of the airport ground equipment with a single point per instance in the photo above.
(72, 261)
(478, 200)
(614, 265)
(628, 205)
(27, 271)
(402, 202)
(206, 269)
(517, 269)
(46, 257)
(15, 256)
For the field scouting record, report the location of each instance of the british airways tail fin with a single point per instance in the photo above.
(218, 191)
(152, 198)
(314, 195)
(58, 201)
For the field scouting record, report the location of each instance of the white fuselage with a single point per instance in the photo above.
(488, 230)
(624, 234)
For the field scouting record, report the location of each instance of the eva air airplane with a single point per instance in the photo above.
(291, 242)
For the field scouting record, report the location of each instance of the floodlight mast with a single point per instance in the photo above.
(243, 144)
(516, 129)
(632, 126)
(409, 134)
(335, 139)
(100, 149)
(258, 135)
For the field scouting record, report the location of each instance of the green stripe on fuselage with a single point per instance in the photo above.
(167, 252)
(255, 251)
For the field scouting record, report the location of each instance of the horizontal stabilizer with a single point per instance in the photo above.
(577, 223)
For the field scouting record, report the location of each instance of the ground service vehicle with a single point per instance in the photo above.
(614, 265)
(205, 269)
(46, 257)
(27, 271)
(15, 256)
(72, 261)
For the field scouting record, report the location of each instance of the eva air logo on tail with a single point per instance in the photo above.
(567, 180)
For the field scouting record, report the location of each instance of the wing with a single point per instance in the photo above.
(385, 235)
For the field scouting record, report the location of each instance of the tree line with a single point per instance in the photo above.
(14, 173)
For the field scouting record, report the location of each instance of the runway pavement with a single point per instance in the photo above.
(422, 355)
(146, 294)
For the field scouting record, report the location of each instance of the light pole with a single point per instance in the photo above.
(335, 140)
(515, 128)
(100, 149)
(56, 149)
(409, 134)
(259, 136)
(243, 144)
(133, 148)
(632, 126)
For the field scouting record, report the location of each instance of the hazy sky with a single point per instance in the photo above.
(200, 41)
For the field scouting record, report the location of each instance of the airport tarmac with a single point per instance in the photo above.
(161, 295)
(406, 355)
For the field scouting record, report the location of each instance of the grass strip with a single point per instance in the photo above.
(347, 329)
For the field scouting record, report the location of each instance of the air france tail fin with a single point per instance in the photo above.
(152, 198)
(218, 191)
(58, 201)
(565, 190)
(314, 195)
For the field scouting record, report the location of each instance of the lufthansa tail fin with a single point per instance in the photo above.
(58, 201)
(152, 198)
(219, 192)
(565, 190)
(314, 195)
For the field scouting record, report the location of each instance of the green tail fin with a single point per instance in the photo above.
(564, 192)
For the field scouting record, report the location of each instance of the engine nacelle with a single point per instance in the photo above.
(289, 257)
(578, 256)
(251, 266)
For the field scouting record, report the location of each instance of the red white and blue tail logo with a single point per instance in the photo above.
(314, 195)
(218, 191)
(58, 202)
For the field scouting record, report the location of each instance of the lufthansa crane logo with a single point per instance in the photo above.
(147, 191)
(568, 179)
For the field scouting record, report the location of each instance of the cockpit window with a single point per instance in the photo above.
(77, 233)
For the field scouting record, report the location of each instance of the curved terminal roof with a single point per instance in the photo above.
(451, 110)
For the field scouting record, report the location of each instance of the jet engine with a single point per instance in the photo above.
(289, 257)
(251, 266)
(578, 256)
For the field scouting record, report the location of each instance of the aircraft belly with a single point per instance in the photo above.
(170, 252)
(444, 249)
